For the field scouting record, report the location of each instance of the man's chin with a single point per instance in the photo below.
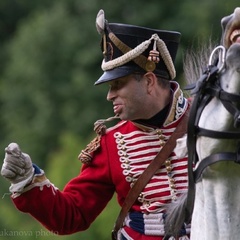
(122, 116)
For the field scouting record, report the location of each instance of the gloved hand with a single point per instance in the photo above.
(17, 168)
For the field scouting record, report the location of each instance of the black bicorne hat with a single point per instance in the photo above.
(131, 49)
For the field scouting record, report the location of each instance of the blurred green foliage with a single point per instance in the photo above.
(49, 60)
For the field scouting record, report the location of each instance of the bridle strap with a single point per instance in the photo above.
(214, 158)
(222, 95)
(234, 111)
(228, 100)
(217, 134)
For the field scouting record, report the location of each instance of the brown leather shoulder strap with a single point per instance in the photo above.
(149, 172)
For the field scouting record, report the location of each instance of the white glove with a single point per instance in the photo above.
(17, 168)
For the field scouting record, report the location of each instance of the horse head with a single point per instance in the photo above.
(231, 41)
(231, 29)
(212, 200)
(216, 207)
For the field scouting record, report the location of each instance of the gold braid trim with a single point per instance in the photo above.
(86, 155)
(139, 60)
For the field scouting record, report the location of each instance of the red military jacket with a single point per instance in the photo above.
(124, 151)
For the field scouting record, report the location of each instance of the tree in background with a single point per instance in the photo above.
(50, 58)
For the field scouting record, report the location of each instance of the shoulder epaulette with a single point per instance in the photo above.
(100, 128)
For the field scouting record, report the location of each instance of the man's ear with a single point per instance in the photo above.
(151, 80)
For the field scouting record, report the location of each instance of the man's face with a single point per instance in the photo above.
(128, 96)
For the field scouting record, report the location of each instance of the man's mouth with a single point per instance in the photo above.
(235, 36)
(117, 108)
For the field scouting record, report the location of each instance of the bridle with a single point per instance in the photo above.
(206, 88)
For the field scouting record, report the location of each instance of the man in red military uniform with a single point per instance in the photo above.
(138, 66)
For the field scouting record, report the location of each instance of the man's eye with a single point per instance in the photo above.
(115, 85)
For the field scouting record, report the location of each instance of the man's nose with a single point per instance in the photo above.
(111, 94)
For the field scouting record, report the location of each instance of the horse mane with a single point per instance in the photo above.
(196, 60)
